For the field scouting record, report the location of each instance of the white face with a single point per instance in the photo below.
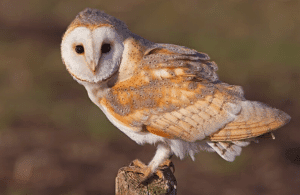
(92, 56)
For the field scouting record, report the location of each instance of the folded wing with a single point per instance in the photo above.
(176, 93)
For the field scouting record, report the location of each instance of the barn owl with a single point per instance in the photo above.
(161, 94)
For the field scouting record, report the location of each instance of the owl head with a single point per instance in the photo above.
(92, 46)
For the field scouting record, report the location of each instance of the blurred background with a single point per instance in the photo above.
(54, 140)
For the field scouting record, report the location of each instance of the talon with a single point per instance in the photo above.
(172, 167)
(137, 163)
(139, 167)
(168, 163)
(160, 174)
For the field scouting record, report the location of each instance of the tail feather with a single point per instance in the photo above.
(228, 150)
(254, 120)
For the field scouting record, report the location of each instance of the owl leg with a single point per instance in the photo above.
(159, 162)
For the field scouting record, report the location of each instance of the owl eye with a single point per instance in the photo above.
(105, 48)
(79, 49)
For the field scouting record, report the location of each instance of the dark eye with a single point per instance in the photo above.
(105, 48)
(79, 49)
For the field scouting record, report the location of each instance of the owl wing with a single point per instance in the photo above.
(177, 94)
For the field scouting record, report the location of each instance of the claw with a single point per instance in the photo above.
(168, 163)
(172, 167)
(137, 163)
(139, 167)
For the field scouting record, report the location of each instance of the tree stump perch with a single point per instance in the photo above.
(129, 183)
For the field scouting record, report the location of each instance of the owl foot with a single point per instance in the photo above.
(139, 167)
(167, 164)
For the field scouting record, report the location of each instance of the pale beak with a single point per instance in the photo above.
(93, 66)
(92, 58)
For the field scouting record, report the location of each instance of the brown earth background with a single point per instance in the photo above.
(53, 140)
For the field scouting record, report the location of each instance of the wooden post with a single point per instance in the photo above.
(128, 183)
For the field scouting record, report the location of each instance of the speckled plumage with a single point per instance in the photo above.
(162, 93)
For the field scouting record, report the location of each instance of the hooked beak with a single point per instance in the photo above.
(93, 66)
(93, 63)
(92, 56)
